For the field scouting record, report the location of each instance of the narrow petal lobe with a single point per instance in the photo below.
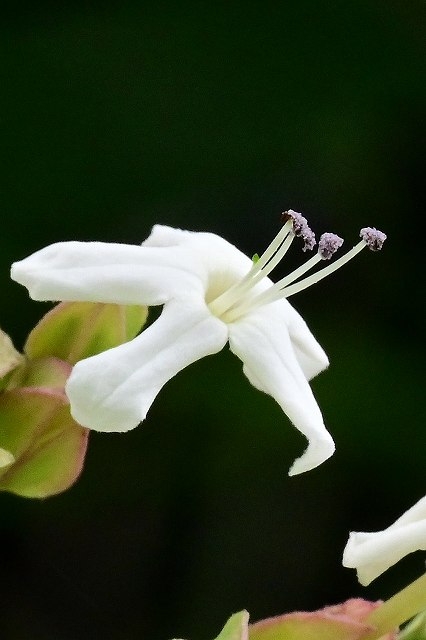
(373, 553)
(114, 390)
(310, 355)
(109, 273)
(263, 344)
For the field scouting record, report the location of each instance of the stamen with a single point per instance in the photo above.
(373, 238)
(329, 243)
(294, 225)
(300, 228)
(270, 266)
(309, 238)
(233, 303)
(272, 249)
(279, 246)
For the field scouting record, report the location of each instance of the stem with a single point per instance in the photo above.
(398, 609)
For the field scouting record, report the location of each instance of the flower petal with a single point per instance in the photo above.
(310, 355)
(415, 514)
(262, 342)
(224, 263)
(373, 553)
(163, 236)
(109, 273)
(114, 390)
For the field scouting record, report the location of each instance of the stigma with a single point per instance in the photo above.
(240, 299)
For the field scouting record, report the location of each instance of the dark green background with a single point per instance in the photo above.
(217, 116)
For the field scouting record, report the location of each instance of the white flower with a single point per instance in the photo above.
(373, 553)
(212, 293)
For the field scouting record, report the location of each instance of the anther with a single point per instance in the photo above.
(328, 244)
(301, 228)
(234, 303)
(370, 237)
(298, 221)
(373, 238)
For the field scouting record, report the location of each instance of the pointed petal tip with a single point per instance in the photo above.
(364, 579)
(373, 553)
(16, 272)
(316, 453)
(22, 274)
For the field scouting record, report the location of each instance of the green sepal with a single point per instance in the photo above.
(48, 445)
(236, 628)
(41, 372)
(9, 357)
(6, 457)
(416, 629)
(307, 626)
(73, 331)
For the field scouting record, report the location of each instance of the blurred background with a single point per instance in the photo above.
(217, 116)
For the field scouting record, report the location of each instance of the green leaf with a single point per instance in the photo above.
(255, 258)
(49, 447)
(236, 628)
(73, 331)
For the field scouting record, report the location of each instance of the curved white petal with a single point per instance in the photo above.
(373, 553)
(163, 236)
(115, 273)
(224, 263)
(311, 356)
(114, 390)
(261, 340)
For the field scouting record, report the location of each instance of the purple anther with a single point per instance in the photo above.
(309, 238)
(328, 244)
(299, 222)
(373, 238)
(300, 228)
